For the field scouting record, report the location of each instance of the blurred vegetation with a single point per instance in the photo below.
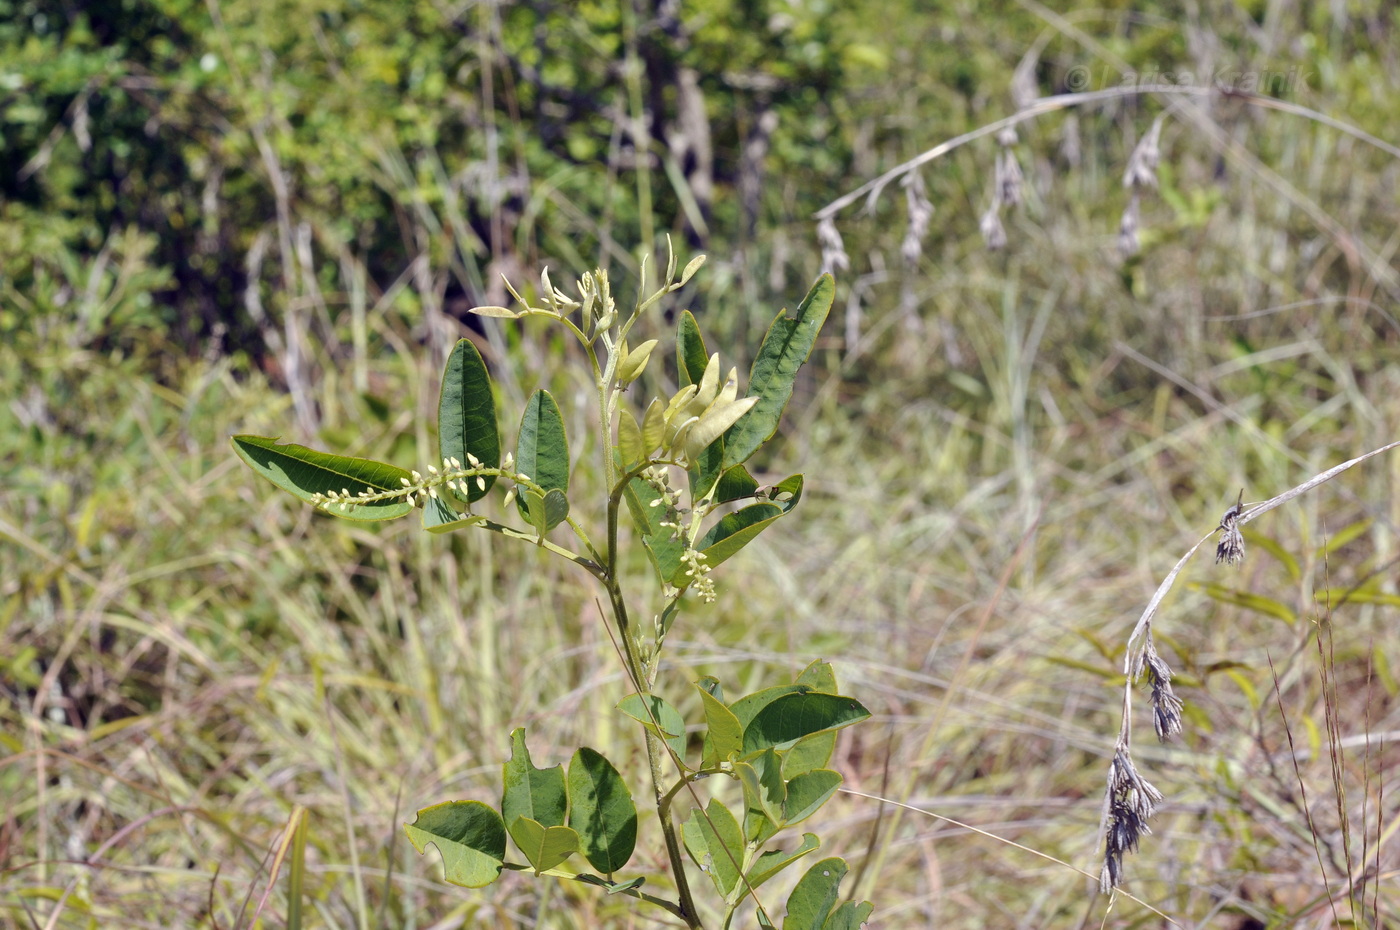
(236, 216)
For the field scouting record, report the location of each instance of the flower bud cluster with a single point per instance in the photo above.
(453, 475)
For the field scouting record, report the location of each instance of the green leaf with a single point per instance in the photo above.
(668, 723)
(788, 492)
(467, 415)
(724, 734)
(660, 543)
(539, 794)
(1285, 558)
(849, 916)
(748, 706)
(542, 452)
(735, 484)
(786, 347)
(811, 901)
(439, 517)
(601, 810)
(544, 512)
(691, 357)
(469, 835)
(773, 861)
(792, 717)
(1248, 600)
(733, 532)
(818, 676)
(764, 794)
(810, 754)
(715, 843)
(807, 792)
(307, 472)
(1341, 537)
(814, 752)
(613, 887)
(629, 440)
(544, 847)
(691, 361)
(711, 686)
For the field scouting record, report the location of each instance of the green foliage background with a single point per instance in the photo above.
(221, 217)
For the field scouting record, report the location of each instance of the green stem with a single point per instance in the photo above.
(656, 754)
(668, 906)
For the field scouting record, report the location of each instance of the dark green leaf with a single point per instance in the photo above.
(748, 706)
(735, 531)
(469, 835)
(812, 900)
(660, 542)
(786, 347)
(439, 517)
(543, 450)
(735, 484)
(795, 716)
(691, 357)
(601, 811)
(307, 472)
(538, 794)
(467, 415)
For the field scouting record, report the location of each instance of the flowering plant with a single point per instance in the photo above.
(773, 745)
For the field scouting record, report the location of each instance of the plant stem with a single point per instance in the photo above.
(655, 754)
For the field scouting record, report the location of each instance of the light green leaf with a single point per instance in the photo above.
(716, 845)
(538, 794)
(630, 450)
(545, 512)
(306, 472)
(657, 715)
(807, 792)
(811, 902)
(849, 916)
(1248, 600)
(467, 416)
(653, 424)
(544, 847)
(691, 267)
(786, 347)
(818, 676)
(724, 735)
(601, 811)
(764, 794)
(542, 452)
(773, 861)
(796, 716)
(469, 835)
